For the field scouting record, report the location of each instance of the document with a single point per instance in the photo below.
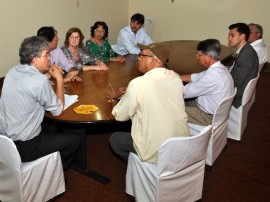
(69, 100)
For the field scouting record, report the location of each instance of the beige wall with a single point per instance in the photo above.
(201, 19)
(22, 18)
(183, 19)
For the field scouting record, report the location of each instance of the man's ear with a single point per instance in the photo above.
(243, 36)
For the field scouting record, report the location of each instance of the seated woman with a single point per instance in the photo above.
(99, 46)
(75, 53)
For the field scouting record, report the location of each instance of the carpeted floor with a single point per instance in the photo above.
(241, 173)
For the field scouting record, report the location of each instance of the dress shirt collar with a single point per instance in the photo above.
(239, 49)
(217, 64)
(258, 42)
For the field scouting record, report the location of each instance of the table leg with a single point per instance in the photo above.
(80, 162)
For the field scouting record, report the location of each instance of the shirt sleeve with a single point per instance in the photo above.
(128, 42)
(61, 59)
(199, 85)
(48, 99)
(127, 106)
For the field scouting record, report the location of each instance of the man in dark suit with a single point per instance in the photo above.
(246, 65)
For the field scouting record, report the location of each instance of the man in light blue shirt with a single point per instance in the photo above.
(131, 35)
(26, 95)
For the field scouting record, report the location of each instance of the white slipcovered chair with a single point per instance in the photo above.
(254, 93)
(34, 181)
(260, 67)
(218, 139)
(148, 26)
(178, 174)
(238, 116)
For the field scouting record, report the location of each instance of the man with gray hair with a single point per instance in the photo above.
(26, 94)
(256, 41)
(209, 87)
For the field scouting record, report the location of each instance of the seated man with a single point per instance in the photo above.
(154, 102)
(209, 87)
(256, 41)
(57, 55)
(131, 35)
(246, 65)
(26, 95)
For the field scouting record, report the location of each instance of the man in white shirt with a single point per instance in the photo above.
(256, 41)
(131, 35)
(209, 87)
(154, 102)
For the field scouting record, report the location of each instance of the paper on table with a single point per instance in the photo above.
(69, 100)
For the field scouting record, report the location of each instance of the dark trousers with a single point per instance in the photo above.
(122, 143)
(49, 141)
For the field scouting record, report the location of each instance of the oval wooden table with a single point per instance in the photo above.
(92, 90)
(94, 87)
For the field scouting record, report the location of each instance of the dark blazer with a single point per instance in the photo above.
(245, 68)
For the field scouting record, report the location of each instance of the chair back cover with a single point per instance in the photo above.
(249, 90)
(178, 175)
(148, 26)
(260, 67)
(38, 180)
(238, 116)
(178, 153)
(10, 166)
(223, 111)
(181, 165)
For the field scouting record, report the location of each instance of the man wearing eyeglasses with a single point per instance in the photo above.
(209, 87)
(131, 35)
(26, 94)
(256, 41)
(154, 102)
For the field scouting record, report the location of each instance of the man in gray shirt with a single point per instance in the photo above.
(26, 94)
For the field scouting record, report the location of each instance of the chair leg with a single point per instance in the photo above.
(208, 168)
(130, 198)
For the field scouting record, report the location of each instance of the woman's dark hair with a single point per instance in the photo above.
(68, 34)
(47, 32)
(96, 25)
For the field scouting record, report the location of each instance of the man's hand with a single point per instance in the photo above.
(56, 72)
(112, 93)
(72, 76)
(121, 91)
(115, 93)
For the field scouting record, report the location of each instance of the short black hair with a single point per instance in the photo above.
(47, 32)
(137, 17)
(242, 28)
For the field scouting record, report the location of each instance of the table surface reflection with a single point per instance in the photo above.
(93, 91)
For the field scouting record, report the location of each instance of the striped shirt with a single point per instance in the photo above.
(26, 95)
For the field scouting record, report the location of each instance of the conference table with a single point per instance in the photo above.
(92, 91)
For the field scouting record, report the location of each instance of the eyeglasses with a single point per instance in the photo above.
(254, 32)
(143, 55)
(74, 37)
(98, 30)
(47, 55)
(199, 55)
